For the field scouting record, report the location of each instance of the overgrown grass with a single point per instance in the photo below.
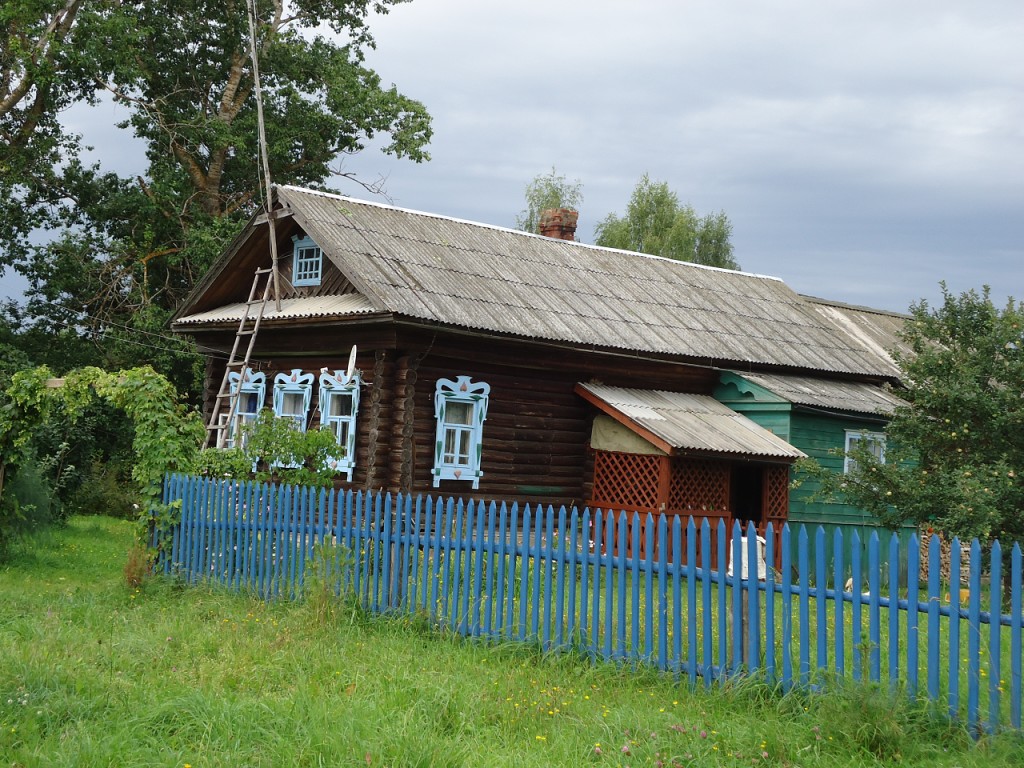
(96, 672)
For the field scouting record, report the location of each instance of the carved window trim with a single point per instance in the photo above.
(334, 386)
(460, 407)
(252, 390)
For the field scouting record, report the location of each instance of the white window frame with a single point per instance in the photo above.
(339, 384)
(874, 440)
(307, 262)
(476, 395)
(247, 383)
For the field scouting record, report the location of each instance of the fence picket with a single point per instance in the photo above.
(662, 594)
(954, 628)
(821, 604)
(839, 602)
(934, 587)
(857, 638)
(1015, 637)
(995, 635)
(771, 673)
(787, 608)
(874, 615)
(589, 580)
(805, 608)
(691, 598)
(894, 612)
(913, 577)
(677, 596)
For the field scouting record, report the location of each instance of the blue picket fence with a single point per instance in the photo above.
(589, 581)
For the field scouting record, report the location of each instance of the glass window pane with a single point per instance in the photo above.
(456, 446)
(459, 413)
(340, 405)
(292, 404)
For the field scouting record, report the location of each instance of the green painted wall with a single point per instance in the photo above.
(822, 436)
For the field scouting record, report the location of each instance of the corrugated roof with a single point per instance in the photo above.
(505, 281)
(874, 329)
(825, 393)
(692, 422)
(291, 309)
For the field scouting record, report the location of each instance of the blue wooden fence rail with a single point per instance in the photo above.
(569, 578)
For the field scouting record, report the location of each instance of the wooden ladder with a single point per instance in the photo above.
(248, 326)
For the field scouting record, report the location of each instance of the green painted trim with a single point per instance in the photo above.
(733, 388)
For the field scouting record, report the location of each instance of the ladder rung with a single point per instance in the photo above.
(254, 302)
(264, 271)
(221, 395)
(246, 333)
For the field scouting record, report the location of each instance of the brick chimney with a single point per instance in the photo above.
(559, 223)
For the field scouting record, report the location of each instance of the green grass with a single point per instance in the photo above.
(94, 672)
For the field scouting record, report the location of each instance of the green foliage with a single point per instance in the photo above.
(120, 253)
(657, 223)
(27, 506)
(548, 190)
(166, 435)
(278, 451)
(955, 456)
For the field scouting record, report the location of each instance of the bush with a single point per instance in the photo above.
(106, 489)
(28, 505)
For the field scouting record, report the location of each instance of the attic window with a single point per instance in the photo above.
(307, 262)
(460, 407)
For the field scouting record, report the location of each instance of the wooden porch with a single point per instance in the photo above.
(685, 486)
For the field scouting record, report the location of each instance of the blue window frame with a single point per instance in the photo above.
(307, 262)
(292, 395)
(461, 408)
(339, 405)
(251, 388)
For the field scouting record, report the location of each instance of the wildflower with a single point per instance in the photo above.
(597, 749)
(703, 734)
(625, 749)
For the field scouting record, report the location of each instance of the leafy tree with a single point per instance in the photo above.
(123, 252)
(548, 190)
(657, 223)
(955, 453)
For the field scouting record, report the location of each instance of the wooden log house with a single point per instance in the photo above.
(498, 364)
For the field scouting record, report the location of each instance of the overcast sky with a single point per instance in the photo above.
(863, 151)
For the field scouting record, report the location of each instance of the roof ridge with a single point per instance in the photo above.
(511, 230)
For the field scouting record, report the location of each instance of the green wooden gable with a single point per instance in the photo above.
(818, 432)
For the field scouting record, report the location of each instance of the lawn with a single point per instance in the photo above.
(95, 672)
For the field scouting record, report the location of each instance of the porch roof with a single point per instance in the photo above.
(679, 422)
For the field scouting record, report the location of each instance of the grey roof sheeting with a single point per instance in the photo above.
(308, 307)
(830, 394)
(694, 422)
(505, 281)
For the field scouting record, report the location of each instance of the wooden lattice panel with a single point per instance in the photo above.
(626, 480)
(776, 494)
(699, 485)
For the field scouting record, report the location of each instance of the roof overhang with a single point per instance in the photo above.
(303, 308)
(682, 423)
